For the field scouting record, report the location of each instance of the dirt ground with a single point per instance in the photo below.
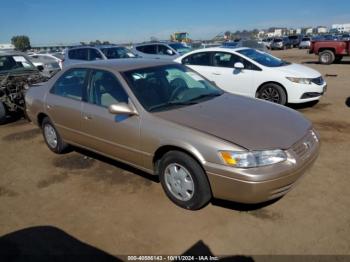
(121, 210)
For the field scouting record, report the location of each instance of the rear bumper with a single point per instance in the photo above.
(251, 186)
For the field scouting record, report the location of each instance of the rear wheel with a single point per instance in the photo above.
(3, 113)
(52, 138)
(184, 181)
(273, 93)
(326, 57)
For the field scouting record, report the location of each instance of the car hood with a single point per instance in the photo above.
(295, 70)
(249, 123)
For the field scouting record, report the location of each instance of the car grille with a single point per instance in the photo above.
(318, 81)
(302, 147)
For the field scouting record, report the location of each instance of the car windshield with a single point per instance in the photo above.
(263, 58)
(306, 39)
(117, 52)
(15, 62)
(167, 87)
(277, 40)
(180, 48)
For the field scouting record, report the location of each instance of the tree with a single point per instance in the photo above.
(106, 43)
(21, 42)
(97, 42)
(82, 43)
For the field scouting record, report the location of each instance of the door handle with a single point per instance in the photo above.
(215, 73)
(87, 117)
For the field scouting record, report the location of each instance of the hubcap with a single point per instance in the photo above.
(179, 182)
(325, 58)
(50, 135)
(271, 94)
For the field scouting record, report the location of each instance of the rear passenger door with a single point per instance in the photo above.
(115, 135)
(64, 101)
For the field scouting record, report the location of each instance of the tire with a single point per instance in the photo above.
(326, 57)
(338, 58)
(52, 138)
(189, 172)
(3, 113)
(272, 92)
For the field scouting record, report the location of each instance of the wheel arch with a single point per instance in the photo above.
(271, 82)
(327, 49)
(162, 150)
(40, 118)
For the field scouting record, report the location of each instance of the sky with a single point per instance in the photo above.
(123, 21)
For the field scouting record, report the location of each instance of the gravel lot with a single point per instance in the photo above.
(121, 210)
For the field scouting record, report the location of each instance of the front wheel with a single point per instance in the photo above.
(52, 138)
(273, 93)
(184, 181)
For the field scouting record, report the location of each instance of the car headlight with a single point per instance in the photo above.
(297, 80)
(246, 159)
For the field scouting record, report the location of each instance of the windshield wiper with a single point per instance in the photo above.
(170, 104)
(205, 96)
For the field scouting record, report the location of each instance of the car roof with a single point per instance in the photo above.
(94, 46)
(3, 53)
(123, 64)
(220, 49)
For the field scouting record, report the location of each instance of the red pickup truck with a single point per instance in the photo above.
(330, 51)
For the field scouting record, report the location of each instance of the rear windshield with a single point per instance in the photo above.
(306, 39)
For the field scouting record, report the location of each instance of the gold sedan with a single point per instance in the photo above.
(168, 120)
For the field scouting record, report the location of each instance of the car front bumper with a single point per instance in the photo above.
(257, 185)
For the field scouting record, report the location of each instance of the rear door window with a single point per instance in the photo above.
(147, 49)
(78, 54)
(71, 84)
(202, 59)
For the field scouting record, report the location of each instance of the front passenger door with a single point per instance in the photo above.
(117, 136)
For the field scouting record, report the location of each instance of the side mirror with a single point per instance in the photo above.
(238, 66)
(121, 108)
(169, 52)
(40, 68)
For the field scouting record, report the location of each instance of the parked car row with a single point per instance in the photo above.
(189, 117)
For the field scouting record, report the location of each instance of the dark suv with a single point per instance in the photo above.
(294, 40)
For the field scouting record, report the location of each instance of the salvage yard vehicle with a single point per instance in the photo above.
(281, 43)
(17, 74)
(83, 54)
(330, 51)
(305, 43)
(161, 50)
(49, 63)
(250, 72)
(167, 120)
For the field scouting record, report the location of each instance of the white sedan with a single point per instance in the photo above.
(254, 73)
